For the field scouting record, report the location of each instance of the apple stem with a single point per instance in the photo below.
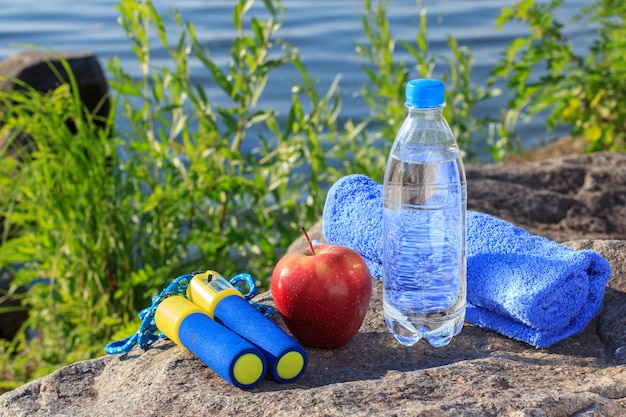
(303, 230)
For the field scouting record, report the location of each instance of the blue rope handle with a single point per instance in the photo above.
(148, 332)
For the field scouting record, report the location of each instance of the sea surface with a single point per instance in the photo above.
(324, 31)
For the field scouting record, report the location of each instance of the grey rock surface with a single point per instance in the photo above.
(479, 374)
(574, 197)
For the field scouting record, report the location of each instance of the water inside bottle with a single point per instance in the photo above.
(424, 246)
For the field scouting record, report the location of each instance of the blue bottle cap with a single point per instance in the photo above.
(424, 93)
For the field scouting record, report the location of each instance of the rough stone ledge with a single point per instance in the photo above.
(479, 374)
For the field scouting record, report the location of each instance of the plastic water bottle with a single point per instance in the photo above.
(424, 217)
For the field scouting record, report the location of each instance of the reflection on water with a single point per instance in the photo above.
(323, 30)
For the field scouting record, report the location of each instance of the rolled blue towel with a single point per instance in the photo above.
(520, 285)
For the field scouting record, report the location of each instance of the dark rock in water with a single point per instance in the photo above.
(11, 321)
(44, 72)
(480, 373)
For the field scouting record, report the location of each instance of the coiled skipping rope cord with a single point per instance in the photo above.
(148, 332)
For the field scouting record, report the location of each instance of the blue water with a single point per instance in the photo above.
(324, 31)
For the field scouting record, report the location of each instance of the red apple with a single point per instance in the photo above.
(322, 293)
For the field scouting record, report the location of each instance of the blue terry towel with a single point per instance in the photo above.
(518, 284)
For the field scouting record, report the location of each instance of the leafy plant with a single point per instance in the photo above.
(102, 219)
(60, 220)
(387, 76)
(584, 90)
